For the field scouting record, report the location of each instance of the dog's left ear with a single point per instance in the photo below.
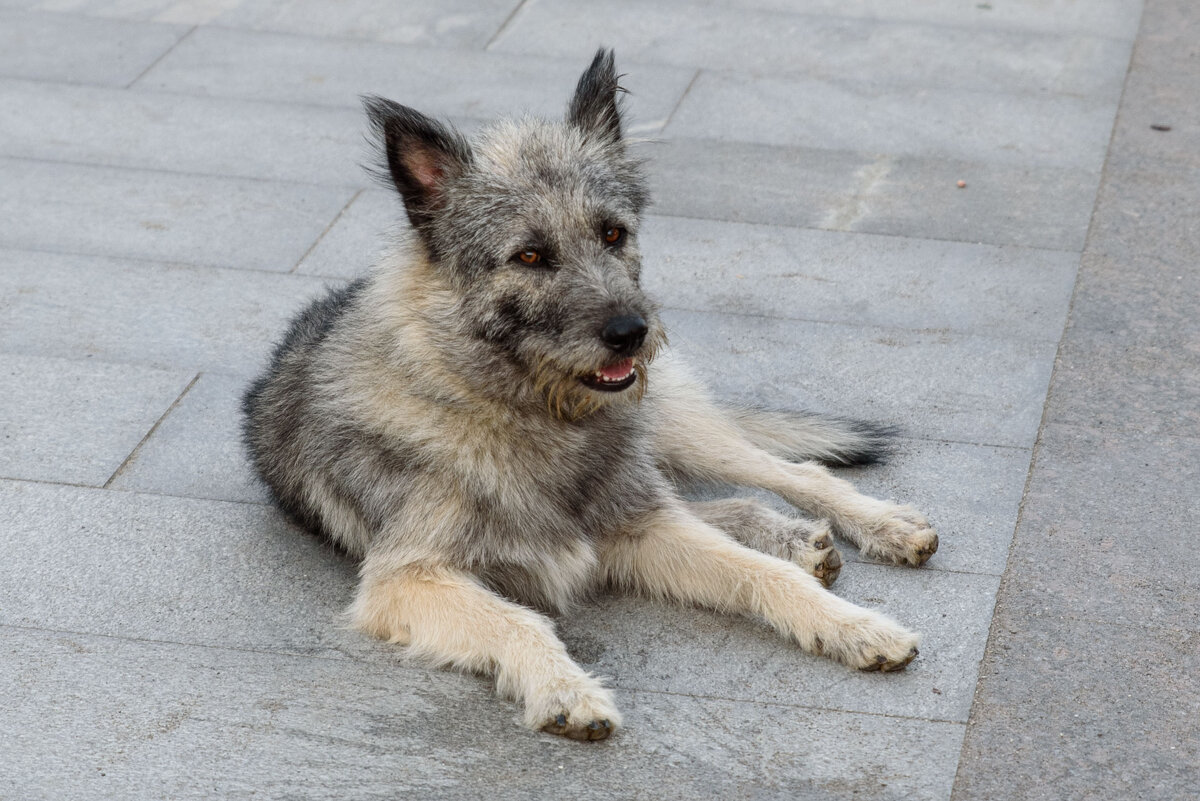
(594, 107)
(422, 156)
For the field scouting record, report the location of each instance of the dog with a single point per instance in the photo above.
(492, 422)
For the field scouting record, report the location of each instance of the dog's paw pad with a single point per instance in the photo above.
(886, 664)
(814, 552)
(902, 536)
(592, 730)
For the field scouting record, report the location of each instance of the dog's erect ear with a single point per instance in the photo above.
(594, 106)
(421, 155)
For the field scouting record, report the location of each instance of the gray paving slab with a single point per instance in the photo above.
(1007, 204)
(935, 384)
(171, 569)
(149, 313)
(688, 651)
(1102, 534)
(1032, 130)
(431, 23)
(230, 222)
(1115, 18)
(232, 63)
(1072, 714)
(180, 133)
(62, 47)
(789, 273)
(76, 421)
(137, 720)
(971, 494)
(872, 51)
(374, 221)
(197, 450)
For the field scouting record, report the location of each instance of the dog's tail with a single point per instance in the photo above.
(804, 436)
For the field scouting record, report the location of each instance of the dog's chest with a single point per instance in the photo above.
(554, 482)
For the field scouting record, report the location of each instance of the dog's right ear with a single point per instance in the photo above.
(422, 156)
(594, 108)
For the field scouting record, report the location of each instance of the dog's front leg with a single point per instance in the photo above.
(448, 616)
(676, 555)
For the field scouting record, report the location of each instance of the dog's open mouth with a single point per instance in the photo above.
(613, 378)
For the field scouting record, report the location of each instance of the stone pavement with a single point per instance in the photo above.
(178, 176)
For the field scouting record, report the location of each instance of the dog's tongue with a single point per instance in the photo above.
(615, 372)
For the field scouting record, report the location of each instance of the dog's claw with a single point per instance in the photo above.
(596, 730)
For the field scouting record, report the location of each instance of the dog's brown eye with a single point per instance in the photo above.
(529, 256)
(614, 235)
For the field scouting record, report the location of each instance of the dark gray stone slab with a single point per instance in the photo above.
(214, 136)
(935, 384)
(1123, 381)
(226, 222)
(1008, 204)
(1151, 298)
(197, 449)
(100, 718)
(1104, 532)
(230, 63)
(1092, 711)
(1148, 216)
(852, 50)
(64, 47)
(166, 315)
(1030, 130)
(76, 421)
(650, 646)
(926, 285)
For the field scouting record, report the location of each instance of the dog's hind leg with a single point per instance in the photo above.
(807, 543)
(448, 616)
(694, 439)
(676, 555)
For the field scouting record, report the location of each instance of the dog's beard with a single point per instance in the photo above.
(569, 398)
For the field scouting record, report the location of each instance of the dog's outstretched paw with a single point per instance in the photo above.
(869, 642)
(901, 536)
(812, 549)
(593, 730)
(581, 709)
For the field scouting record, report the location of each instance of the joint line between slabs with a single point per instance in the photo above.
(328, 228)
(161, 56)
(679, 102)
(504, 25)
(150, 433)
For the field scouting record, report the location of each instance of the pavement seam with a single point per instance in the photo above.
(671, 114)
(419, 670)
(504, 25)
(362, 187)
(133, 454)
(321, 235)
(161, 56)
(956, 792)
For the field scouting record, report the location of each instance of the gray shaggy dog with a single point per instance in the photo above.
(491, 422)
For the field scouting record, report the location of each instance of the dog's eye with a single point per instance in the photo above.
(614, 235)
(530, 256)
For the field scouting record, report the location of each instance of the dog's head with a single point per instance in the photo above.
(535, 226)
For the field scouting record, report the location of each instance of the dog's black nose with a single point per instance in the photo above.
(624, 334)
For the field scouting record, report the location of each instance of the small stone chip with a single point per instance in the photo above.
(1158, 126)
(962, 184)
